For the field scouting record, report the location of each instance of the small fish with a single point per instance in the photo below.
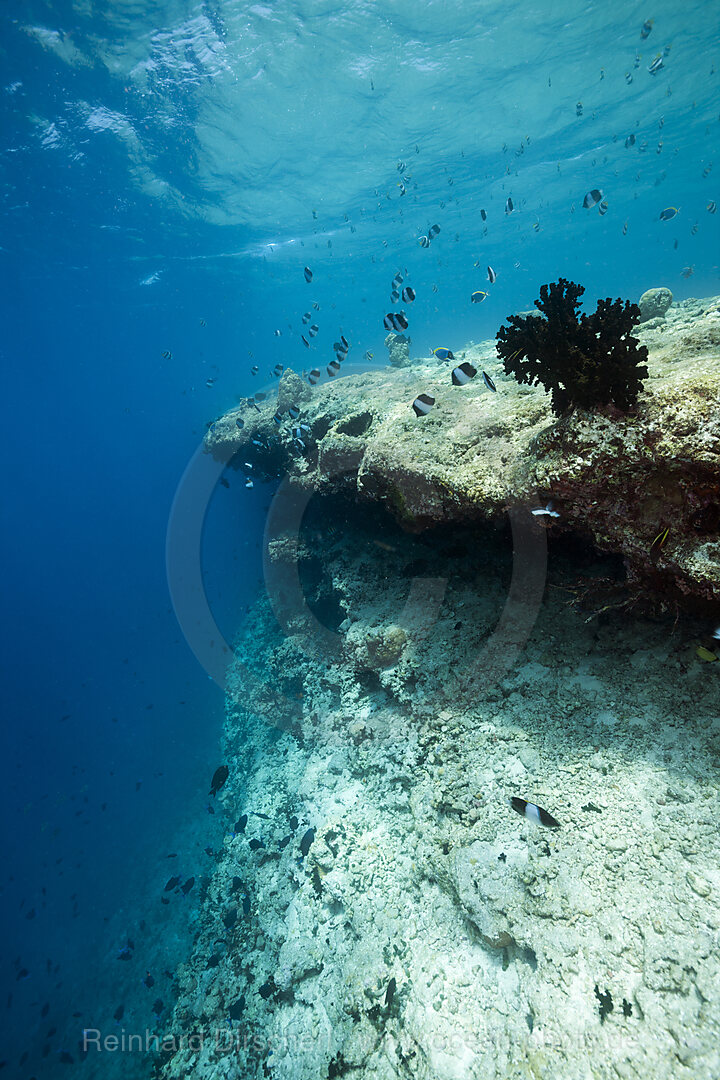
(478, 296)
(171, 883)
(422, 404)
(433, 231)
(278, 333)
(628, 77)
(711, 207)
(707, 170)
(306, 343)
(625, 228)
(333, 368)
(668, 213)
(656, 64)
(491, 275)
(148, 981)
(315, 305)
(508, 205)
(646, 28)
(443, 354)
(603, 208)
(483, 215)
(423, 241)
(249, 483)
(219, 777)
(308, 274)
(339, 346)
(533, 812)
(686, 272)
(278, 418)
(462, 374)
(592, 198)
(408, 294)
(305, 319)
(579, 109)
(293, 412)
(390, 992)
(306, 841)
(705, 654)
(630, 141)
(659, 541)
(314, 376)
(488, 382)
(536, 226)
(394, 296)
(278, 370)
(187, 886)
(344, 342)
(693, 231)
(313, 330)
(239, 422)
(209, 382)
(398, 279)
(545, 511)
(368, 355)
(395, 321)
(167, 355)
(240, 823)
(203, 323)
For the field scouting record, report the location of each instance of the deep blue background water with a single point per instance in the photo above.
(160, 166)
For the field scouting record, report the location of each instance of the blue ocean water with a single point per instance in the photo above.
(168, 169)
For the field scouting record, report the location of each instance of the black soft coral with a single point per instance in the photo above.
(586, 362)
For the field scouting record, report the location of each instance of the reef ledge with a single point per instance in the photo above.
(619, 480)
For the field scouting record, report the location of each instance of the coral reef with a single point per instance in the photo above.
(619, 480)
(492, 932)
(587, 362)
(383, 912)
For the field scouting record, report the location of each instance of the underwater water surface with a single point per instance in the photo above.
(169, 170)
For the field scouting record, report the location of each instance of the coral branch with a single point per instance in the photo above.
(585, 362)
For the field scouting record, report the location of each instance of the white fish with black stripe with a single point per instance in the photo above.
(533, 812)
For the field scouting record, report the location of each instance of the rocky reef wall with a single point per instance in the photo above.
(383, 912)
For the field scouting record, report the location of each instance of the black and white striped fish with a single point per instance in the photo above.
(533, 812)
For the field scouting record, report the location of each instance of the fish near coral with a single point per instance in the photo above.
(533, 812)
(219, 777)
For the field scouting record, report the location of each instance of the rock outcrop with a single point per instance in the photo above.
(620, 480)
